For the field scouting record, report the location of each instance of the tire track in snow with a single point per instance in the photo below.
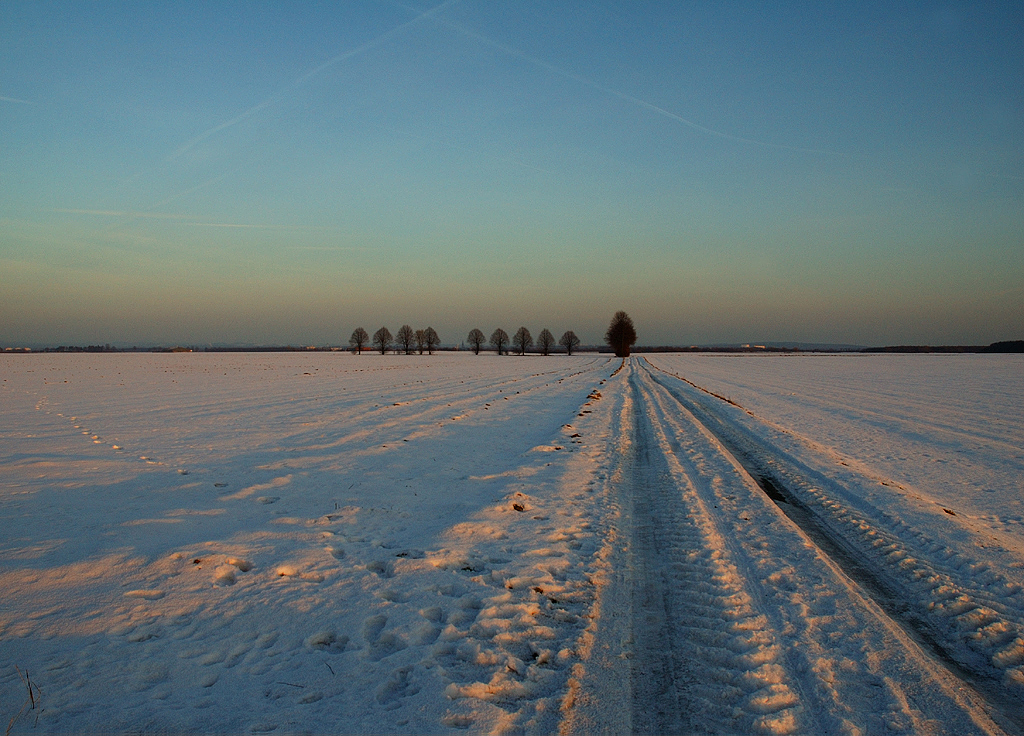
(701, 657)
(976, 636)
(402, 413)
(718, 615)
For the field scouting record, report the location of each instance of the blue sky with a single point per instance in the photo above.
(285, 172)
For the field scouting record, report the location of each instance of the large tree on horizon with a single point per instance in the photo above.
(359, 339)
(522, 340)
(406, 338)
(545, 341)
(476, 339)
(382, 340)
(499, 339)
(621, 334)
(433, 340)
(569, 341)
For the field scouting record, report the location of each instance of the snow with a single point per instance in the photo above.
(322, 542)
(950, 426)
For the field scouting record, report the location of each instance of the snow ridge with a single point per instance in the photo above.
(709, 613)
(974, 615)
(729, 618)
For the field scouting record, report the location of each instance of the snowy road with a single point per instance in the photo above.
(952, 601)
(331, 543)
(737, 622)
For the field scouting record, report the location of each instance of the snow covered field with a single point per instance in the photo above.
(321, 542)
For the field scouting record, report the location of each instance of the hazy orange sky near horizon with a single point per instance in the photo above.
(725, 172)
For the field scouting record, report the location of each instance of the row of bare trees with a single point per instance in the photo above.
(407, 340)
(410, 341)
(522, 341)
(621, 336)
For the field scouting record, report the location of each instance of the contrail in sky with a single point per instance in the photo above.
(363, 48)
(188, 191)
(217, 128)
(622, 95)
(377, 41)
(15, 99)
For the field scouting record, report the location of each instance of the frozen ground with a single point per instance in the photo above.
(331, 543)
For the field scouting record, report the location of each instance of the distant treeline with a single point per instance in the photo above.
(265, 349)
(719, 349)
(177, 349)
(108, 348)
(1005, 346)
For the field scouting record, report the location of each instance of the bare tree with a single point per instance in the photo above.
(421, 341)
(405, 339)
(569, 341)
(476, 339)
(358, 340)
(433, 340)
(499, 339)
(545, 341)
(522, 340)
(382, 339)
(621, 335)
